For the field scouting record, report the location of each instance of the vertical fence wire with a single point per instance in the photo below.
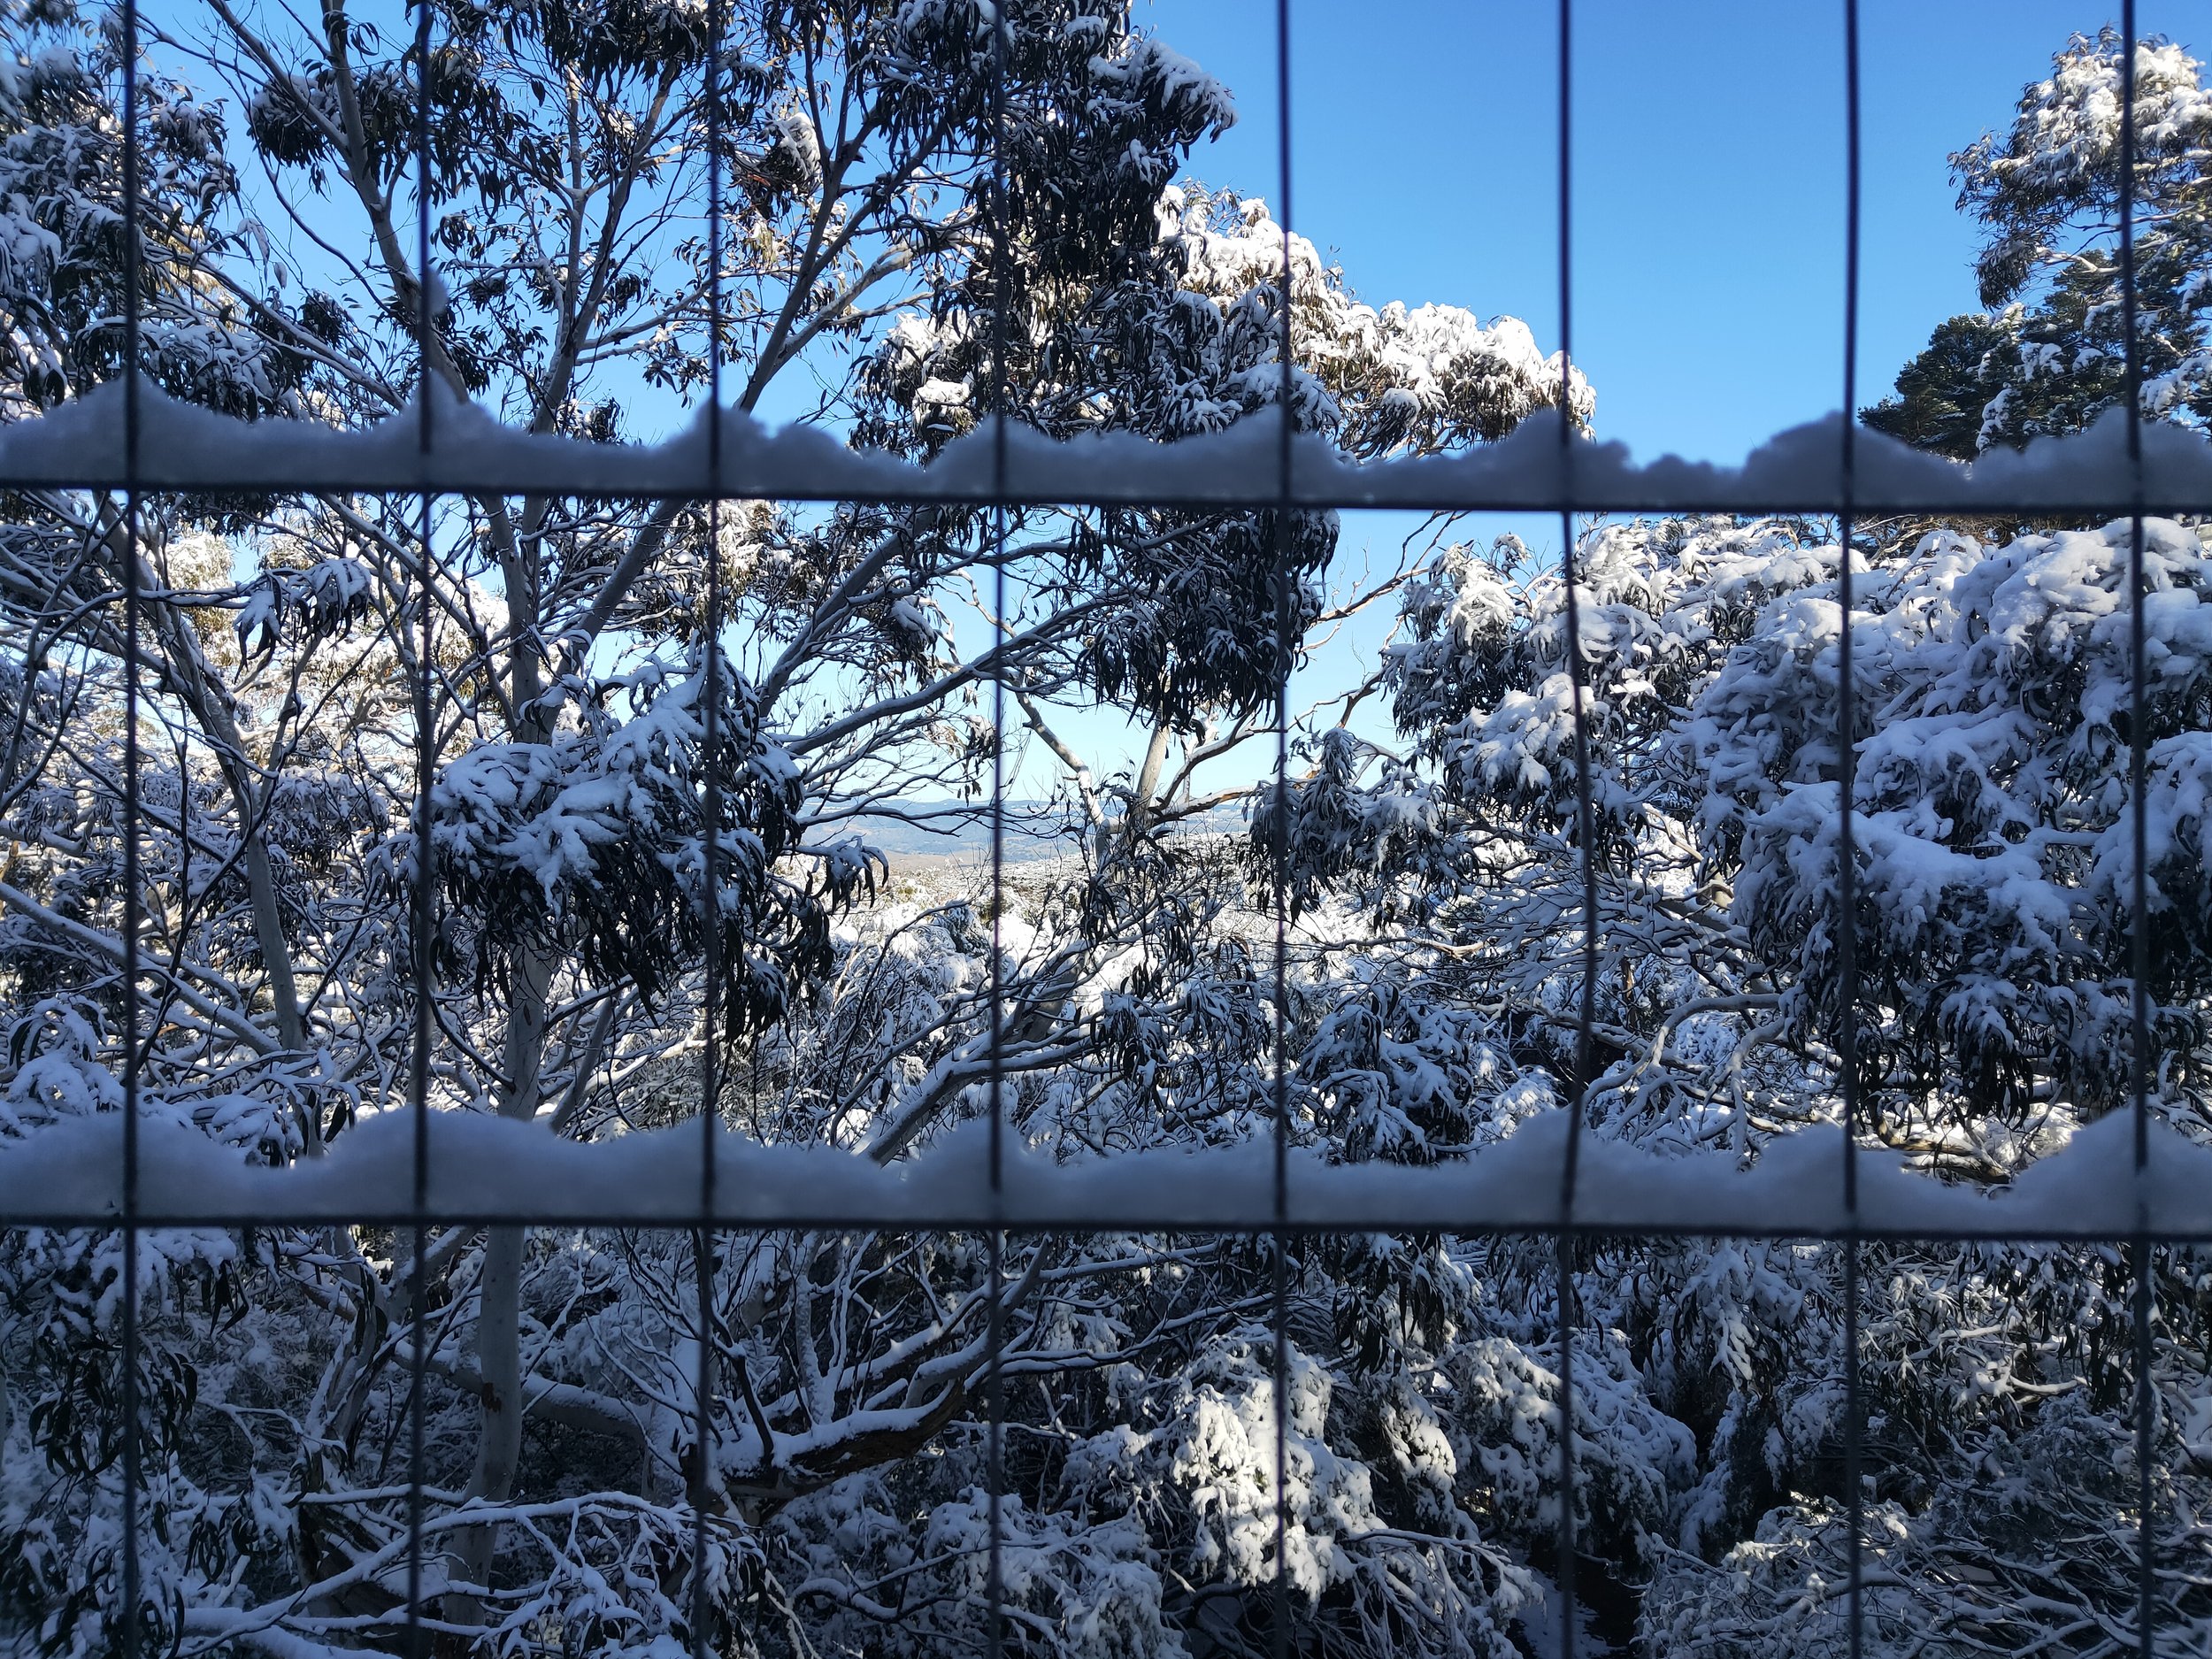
(1586, 828)
(134, 1470)
(2138, 896)
(423, 897)
(1284, 643)
(1847, 923)
(421, 969)
(711, 999)
(994, 1254)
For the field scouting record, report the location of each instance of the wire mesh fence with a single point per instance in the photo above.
(1556, 1187)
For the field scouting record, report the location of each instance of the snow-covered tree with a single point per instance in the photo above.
(65, 245)
(1991, 824)
(569, 670)
(2047, 354)
(1992, 836)
(1432, 877)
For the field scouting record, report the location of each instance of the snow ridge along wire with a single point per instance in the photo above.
(83, 444)
(485, 1168)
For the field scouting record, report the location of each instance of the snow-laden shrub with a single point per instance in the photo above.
(1197, 1467)
(1630, 1457)
(1084, 1589)
(2031, 1543)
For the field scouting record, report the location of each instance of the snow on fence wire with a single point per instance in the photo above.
(484, 1170)
(83, 445)
(2122, 1179)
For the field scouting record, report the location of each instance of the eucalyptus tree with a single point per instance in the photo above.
(2045, 354)
(865, 247)
(1996, 943)
(1120, 998)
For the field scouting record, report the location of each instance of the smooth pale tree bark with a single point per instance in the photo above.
(499, 1303)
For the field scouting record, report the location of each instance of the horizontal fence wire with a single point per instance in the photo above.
(1378, 1222)
(1827, 470)
(2081, 476)
(501, 1172)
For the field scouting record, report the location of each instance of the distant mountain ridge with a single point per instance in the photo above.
(1034, 829)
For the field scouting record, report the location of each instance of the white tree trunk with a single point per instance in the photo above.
(499, 1304)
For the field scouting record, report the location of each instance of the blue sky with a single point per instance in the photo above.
(1708, 175)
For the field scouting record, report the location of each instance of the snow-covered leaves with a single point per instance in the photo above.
(1182, 334)
(1401, 1074)
(306, 606)
(1120, 998)
(1199, 1468)
(1630, 1459)
(62, 239)
(2048, 354)
(596, 840)
(2015, 1550)
(1991, 798)
(1991, 806)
